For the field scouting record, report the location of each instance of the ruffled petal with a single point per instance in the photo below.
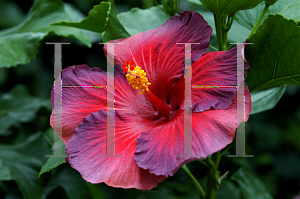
(157, 149)
(82, 100)
(78, 102)
(156, 51)
(161, 149)
(214, 80)
(88, 146)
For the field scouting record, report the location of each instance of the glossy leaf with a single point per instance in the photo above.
(20, 162)
(251, 186)
(101, 19)
(95, 21)
(229, 6)
(139, 20)
(19, 44)
(288, 8)
(52, 161)
(76, 15)
(113, 28)
(274, 55)
(270, 2)
(266, 99)
(19, 106)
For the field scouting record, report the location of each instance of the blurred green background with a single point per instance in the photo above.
(273, 137)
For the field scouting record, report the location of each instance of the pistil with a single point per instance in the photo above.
(138, 80)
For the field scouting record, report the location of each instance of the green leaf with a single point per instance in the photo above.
(154, 194)
(288, 8)
(54, 162)
(101, 19)
(71, 181)
(76, 15)
(223, 7)
(19, 106)
(113, 28)
(270, 2)
(20, 163)
(251, 186)
(19, 44)
(95, 21)
(266, 99)
(197, 2)
(139, 20)
(274, 57)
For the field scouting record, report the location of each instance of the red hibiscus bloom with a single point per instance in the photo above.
(149, 128)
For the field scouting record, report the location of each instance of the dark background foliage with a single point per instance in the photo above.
(273, 136)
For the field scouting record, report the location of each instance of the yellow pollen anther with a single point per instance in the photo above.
(136, 77)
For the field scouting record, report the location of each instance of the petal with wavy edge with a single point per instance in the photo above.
(88, 146)
(156, 51)
(79, 102)
(160, 149)
(212, 70)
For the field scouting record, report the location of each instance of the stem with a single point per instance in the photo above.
(219, 29)
(204, 163)
(222, 28)
(258, 21)
(230, 21)
(195, 181)
(213, 176)
(225, 33)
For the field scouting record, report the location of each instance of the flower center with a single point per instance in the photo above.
(136, 77)
(138, 80)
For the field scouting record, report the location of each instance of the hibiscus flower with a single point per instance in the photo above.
(149, 106)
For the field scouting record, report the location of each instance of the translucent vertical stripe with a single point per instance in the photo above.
(58, 152)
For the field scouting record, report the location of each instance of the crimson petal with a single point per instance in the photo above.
(214, 80)
(79, 99)
(78, 102)
(156, 51)
(88, 146)
(160, 149)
